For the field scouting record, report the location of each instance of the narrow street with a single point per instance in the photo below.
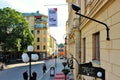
(16, 71)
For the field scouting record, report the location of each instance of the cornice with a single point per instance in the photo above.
(95, 8)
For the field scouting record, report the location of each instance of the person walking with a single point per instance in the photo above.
(25, 75)
(34, 76)
(44, 68)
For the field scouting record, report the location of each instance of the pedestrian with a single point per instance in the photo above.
(44, 68)
(34, 76)
(25, 75)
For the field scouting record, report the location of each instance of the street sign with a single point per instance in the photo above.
(88, 70)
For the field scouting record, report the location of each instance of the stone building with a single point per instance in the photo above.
(88, 40)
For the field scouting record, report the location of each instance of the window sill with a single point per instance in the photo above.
(96, 62)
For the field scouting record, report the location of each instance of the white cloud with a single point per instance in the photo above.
(4, 3)
(58, 33)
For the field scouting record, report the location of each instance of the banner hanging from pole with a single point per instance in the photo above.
(52, 17)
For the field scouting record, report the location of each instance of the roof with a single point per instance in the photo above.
(33, 14)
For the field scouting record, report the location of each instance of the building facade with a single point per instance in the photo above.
(73, 37)
(53, 47)
(94, 46)
(39, 27)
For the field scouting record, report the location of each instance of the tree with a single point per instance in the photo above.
(15, 32)
(61, 45)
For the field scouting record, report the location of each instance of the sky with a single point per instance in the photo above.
(42, 6)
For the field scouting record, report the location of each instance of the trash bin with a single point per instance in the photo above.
(52, 71)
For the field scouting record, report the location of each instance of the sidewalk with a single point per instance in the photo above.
(46, 76)
(22, 64)
(58, 70)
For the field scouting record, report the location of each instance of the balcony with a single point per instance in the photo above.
(40, 26)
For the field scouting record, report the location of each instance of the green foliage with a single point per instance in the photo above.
(15, 33)
(61, 45)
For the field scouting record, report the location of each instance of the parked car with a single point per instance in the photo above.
(61, 57)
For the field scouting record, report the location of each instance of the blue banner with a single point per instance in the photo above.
(52, 17)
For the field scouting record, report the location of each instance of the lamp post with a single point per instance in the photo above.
(28, 57)
(55, 60)
(65, 70)
(70, 64)
(30, 49)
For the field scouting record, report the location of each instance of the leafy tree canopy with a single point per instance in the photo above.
(15, 32)
(61, 45)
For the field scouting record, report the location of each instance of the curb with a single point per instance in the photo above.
(22, 64)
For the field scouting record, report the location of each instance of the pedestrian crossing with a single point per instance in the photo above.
(61, 76)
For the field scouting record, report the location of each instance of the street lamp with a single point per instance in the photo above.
(55, 61)
(30, 49)
(65, 70)
(77, 8)
(28, 57)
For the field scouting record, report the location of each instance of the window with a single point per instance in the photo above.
(38, 31)
(37, 20)
(37, 25)
(44, 32)
(96, 46)
(44, 39)
(84, 50)
(44, 25)
(44, 47)
(44, 19)
(38, 47)
(38, 39)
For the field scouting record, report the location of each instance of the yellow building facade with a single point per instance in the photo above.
(39, 27)
(91, 36)
(53, 47)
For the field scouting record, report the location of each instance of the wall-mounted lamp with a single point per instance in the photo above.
(77, 8)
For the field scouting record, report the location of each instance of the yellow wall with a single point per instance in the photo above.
(107, 11)
(109, 50)
(41, 35)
